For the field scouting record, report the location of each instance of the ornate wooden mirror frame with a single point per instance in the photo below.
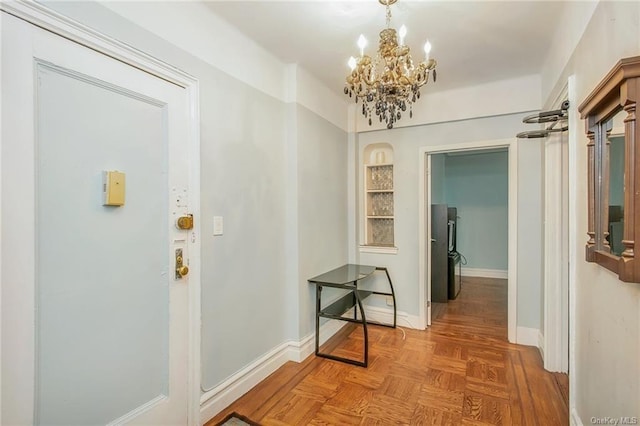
(618, 91)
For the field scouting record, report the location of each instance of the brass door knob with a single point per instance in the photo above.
(185, 222)
(182, 270)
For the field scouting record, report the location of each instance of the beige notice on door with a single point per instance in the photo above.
(113, 183)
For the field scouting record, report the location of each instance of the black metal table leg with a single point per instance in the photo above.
(393, 293)
(347, 277)
(364, 327)
(318, 295)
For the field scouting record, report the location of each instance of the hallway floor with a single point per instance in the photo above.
(460, 371)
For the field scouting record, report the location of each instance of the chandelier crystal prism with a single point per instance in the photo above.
(390, 84)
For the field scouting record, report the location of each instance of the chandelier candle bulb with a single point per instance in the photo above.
(362, 43)
(402, 33)
(427, 50)
(352, 63)
(389, 82)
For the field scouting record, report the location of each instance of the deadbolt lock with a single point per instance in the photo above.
(185, 222)
(181, 268)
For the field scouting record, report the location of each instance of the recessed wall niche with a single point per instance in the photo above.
(379, 218)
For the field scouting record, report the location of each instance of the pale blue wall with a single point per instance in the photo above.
(407, 143)
(322, 203)
(477, 184)
(438, 179)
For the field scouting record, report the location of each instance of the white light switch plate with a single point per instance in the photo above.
(218, 225)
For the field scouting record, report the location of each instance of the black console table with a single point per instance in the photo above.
(347, 277)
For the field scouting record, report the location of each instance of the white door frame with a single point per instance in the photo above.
(575, 252)
(556, 250)
(56, 23)
(424, 224)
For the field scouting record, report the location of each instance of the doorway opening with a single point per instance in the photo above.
(431, 159)
(469, 234)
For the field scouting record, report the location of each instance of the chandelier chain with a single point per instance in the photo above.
(388, 16)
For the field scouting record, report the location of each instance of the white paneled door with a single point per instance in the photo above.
(95, 321)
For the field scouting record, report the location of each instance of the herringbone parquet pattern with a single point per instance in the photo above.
(460, 371)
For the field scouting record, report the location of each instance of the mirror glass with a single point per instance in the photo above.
(615, 142)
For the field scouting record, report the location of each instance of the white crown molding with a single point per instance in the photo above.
(50, 20)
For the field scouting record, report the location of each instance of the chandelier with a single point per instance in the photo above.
(391, 83)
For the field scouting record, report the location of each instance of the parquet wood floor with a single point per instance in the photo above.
(461, 371)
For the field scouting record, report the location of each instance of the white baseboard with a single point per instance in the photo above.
(299, 351)
(385, 315)
(528, 336)
(484, 273)
(541, 344)
(220, 397)
(131, 415)
(575, 418)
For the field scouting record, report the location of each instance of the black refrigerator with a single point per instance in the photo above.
(453, 257)
(445, 260)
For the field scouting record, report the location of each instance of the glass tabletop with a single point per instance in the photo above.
(345, 274)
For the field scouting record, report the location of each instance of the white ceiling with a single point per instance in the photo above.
(473, 41)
